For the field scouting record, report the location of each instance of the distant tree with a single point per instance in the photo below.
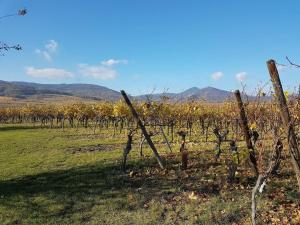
(4, 47)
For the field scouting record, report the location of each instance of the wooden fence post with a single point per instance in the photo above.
(246, 131)
(141, 125)
(286, 118)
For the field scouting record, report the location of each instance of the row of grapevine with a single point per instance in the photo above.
(194, 115)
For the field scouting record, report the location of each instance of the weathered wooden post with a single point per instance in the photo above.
(246, 131)
(141, 125)
(183, 150)
(286, 118)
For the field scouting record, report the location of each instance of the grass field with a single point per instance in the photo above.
(50, 176)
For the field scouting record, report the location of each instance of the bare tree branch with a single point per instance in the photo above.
(21, 12)
(5, 47)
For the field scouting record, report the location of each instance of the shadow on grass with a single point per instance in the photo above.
(81, 185)
(76, 189)
(81, 188)
(22, 127)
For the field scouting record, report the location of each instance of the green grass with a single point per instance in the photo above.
(44, 181)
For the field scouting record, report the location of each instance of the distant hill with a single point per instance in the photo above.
(208, 93)
(9, 89)
(26, 89)
(91, 91)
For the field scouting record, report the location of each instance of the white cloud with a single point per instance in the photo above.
(50, 73)
(241, 77)
(112, 62)
(44, 54)
(104, 71)
(98, 72)
(217, 75)
(51, 46)
(47, 56)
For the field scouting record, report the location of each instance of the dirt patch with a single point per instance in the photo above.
(94, 148)
(84, 137)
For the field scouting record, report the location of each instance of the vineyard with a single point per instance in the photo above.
(97, 163)
(196, 117)
(149, 113)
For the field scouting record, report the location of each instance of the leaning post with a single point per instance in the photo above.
(286, 118)
(246, 131)
(141, 125)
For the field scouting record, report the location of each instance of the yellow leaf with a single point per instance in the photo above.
(193, 196)
(253, 126)
(286, 95)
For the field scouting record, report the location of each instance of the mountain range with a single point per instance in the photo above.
(24, 90)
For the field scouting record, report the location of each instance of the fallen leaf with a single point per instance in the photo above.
(193, 196)
(131, 174)
(177, 198)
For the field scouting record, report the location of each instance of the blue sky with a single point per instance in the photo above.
(141, 46)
